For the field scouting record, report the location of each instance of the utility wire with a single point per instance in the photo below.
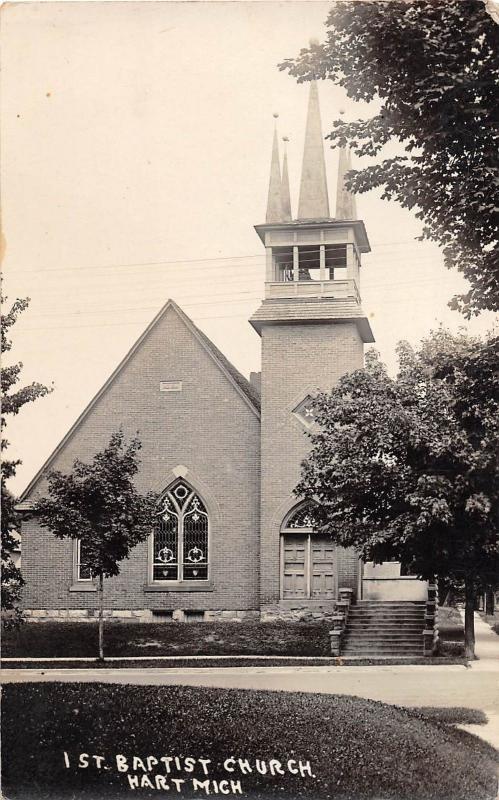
(173, 261)
(232, 297)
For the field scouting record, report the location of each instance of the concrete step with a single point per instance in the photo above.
(390, 603)
(390, 609)
(382, 639)
(393, 621)
(372, 636)
(386, 626)
(397, 647)
(389, 637)
(386, 612)
(382, 651)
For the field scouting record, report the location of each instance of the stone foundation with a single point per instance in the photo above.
(298, 612)
(145, 615)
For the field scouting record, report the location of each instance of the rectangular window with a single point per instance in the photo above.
(162, 615)
(194, 616)
(82, 569)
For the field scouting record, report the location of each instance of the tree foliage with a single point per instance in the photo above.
(13, 399)
(98, 504)
(407, 468)
(434, 67)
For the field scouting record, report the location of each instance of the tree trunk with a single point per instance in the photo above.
(469, 620)
(489, 602)
(101, 617)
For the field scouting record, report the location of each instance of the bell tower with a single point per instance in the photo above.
(313, 331)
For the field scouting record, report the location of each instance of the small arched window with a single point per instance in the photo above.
(180, 541)
(301, 516)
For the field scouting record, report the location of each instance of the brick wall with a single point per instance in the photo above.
(209, 428)
(296, 359)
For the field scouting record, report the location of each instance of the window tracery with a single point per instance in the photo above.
(301, 517)
(180, 542)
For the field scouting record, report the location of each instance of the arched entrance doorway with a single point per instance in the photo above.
(308, 559)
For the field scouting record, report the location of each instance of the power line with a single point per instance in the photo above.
(232, 297)
(126, 323)
(136, 264)
(167, 262)
(211, 301)
(386, 302)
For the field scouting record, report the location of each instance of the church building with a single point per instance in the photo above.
(223, 453)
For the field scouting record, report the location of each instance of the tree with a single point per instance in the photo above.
(434, 68)
(12, 402)
(99, 505)
(407, 468)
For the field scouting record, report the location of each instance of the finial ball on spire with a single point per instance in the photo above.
(285, 138)
(342, 111)
(275, 114)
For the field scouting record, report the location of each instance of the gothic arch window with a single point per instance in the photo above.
(301, 516)
(308, 560)
(180, 539)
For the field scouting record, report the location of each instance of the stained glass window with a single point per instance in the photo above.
(301, 517)
(180, 548)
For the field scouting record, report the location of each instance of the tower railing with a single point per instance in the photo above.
(341, 289)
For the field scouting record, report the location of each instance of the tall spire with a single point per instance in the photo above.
(346, 207)
(313, 203)
(285, 195)
(274, 205)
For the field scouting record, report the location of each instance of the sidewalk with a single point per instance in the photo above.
(486, 646)
(487, 655)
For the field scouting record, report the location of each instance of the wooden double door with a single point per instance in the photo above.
(308, 567)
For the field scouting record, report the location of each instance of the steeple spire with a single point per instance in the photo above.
(346, 207)
(285, 195)
(274, 204)
(313, 202)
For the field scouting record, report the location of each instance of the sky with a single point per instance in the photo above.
(136, 141)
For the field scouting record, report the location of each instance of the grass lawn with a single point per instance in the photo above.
(451, 631)
(221, 662)
(357, 749)
(59, 639)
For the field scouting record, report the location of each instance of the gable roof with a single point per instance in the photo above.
(243, 387)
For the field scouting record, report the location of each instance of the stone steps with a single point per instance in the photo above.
(384, 629)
